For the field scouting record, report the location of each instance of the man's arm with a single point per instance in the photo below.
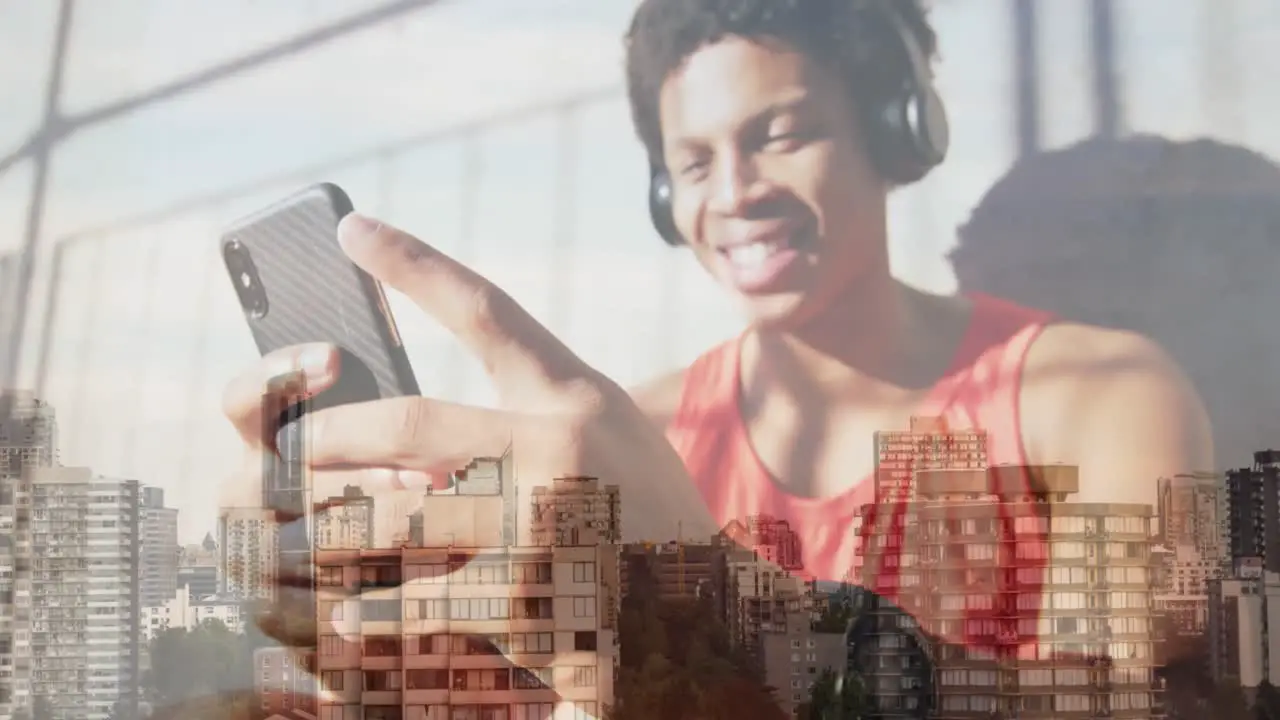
(1117, 406)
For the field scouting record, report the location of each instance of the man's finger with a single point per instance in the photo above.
(510, 343)
(407, 433)
(271, 385)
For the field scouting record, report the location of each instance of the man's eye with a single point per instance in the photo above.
(785, 140)
(693, 169)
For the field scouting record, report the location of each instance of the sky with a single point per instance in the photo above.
(146, 330)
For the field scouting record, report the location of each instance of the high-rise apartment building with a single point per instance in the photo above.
(28, 439)
(345, 522)
(433, 632)
(795, 659)
(159, 548)
(679, 569)
(762, 598)
(1253, 511)
(1193, 533)
(28, 432)
(199, 568)
(248, 540)
(1051, 598)
(928, 445)
(771, 539)
(576, 511)
(82, 644)
(1244, 605)
(1244, 628)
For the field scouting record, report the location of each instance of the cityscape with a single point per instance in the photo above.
(448, 616)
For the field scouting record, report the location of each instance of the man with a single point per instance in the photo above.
(761, 111)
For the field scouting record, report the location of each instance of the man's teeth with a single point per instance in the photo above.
(754, 254)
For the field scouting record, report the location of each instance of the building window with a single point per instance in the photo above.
(329, 576)
(427, 609)
(428, 679)
(584, 572)
(584, 641)
(330, 645)
(533, 678)
(381, 680)
(532, 643)
(479, 712)
(331, 609)
(382, 646)
(585, 711)
(584, 676)
(375, 576)
(380, 610)
(533, 711)
(482, 573)
(531, 573)
(584, 607)
(332, 680)
(435, 574)
(480, 608)
(433, 644)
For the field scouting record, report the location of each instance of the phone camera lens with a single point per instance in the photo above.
(244, 274)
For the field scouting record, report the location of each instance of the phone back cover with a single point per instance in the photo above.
(315, 294)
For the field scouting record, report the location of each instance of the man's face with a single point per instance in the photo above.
(772, 188)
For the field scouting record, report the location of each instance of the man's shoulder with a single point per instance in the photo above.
(1098, 381)
(1068, 353)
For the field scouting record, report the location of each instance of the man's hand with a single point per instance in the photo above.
(561, 417)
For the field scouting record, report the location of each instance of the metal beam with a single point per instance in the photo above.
(210, 76)
(14, 321)
(333, 164)
(1026, 68)
(1106, 93)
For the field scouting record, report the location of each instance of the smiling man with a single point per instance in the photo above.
(775, 131)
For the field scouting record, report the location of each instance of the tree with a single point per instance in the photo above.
(830, 694)
(204, 661)
(1229, 703)
(1267, 706)
(678, 663)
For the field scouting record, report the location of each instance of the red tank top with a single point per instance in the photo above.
(980, 390)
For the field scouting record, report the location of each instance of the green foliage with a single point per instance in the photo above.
(1267, 706)
(825, 701)
(678, 664)
(1228, 702)
(206, 661)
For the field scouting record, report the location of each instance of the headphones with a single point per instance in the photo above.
(907, 134)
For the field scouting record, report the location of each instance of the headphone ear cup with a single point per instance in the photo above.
(909, 135)
(660, 211)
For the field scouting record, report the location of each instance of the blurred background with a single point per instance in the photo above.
(133, 130)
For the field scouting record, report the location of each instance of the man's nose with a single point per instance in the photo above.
(735, 185)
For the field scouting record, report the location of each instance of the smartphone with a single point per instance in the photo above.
(295, 285)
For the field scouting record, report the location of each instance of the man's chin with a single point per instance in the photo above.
(778, 312)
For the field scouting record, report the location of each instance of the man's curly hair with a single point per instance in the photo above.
(850, 37)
